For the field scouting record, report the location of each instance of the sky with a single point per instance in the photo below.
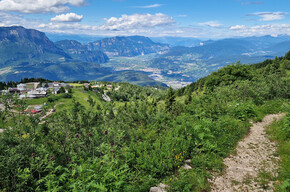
(213, 19)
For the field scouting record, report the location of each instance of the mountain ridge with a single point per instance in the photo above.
(128, 46)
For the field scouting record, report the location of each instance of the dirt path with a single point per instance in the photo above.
(254, 165)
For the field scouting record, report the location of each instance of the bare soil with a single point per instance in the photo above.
(254, 166)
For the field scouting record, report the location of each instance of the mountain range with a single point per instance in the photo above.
(30, 53)
(128, 46)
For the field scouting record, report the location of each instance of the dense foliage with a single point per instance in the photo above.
(140, 138)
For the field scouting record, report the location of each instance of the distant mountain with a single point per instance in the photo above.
(80, 38)
(279, 49)
(80, 52)
(247, 50)
(18, 44)
(178, 41)
(128, 46)
(215, 49)
(263, 42)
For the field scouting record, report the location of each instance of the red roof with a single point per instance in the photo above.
(35, 111)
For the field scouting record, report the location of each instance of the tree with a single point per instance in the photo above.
(287, 56)
(62, 90)
(188, 98)
(169, 99)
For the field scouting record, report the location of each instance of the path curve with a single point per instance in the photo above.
(254, 154)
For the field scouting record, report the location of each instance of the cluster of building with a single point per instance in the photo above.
(109, 86)
(34, 89)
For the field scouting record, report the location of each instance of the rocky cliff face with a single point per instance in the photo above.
(128, 46)
(18, 44)
(80, 52)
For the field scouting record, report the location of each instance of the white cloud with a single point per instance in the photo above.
(269, 16)
(269, 29)
(149, 6)
(8, 19)
(137, 21)
(69, 17)
(211, 24)
(39, 6)
(237, 27)
(147, 25)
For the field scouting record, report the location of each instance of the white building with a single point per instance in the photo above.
(36, 93)
(21, 86)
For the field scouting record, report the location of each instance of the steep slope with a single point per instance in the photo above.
(18, 44)
(128, 46)
(80, 52)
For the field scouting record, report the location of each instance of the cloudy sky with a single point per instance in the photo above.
(183, 18)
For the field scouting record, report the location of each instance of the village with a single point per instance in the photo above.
(37, 90)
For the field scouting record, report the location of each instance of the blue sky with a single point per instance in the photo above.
(183, 18)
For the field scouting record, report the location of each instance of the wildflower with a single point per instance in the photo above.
(106, 132)
(90, 134)
(101, 163)
(24, 136)
(77, 135)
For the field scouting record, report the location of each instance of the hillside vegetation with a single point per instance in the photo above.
(143, 136)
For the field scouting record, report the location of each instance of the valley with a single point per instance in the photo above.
(138, 58)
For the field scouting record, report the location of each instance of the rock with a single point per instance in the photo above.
(156, 189)
(188, 161)
(161, 188)
(186, 167)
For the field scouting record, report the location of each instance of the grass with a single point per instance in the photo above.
(76, 84)
(280, 131)
(38, 101)
(264, 178)
(271, 107)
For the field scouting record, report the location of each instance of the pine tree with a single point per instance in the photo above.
(169, 99)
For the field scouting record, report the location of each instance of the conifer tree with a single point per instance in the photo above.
(169, 99)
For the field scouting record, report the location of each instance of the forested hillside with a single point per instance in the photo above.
(143, 136)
